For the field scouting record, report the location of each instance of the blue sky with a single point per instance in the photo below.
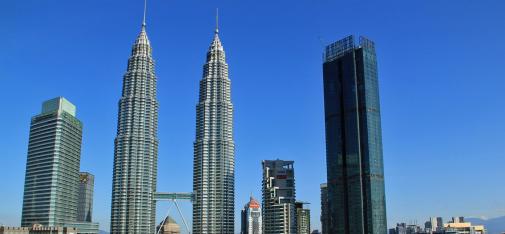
(441, 72)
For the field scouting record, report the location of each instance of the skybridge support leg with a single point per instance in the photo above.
(182, 216)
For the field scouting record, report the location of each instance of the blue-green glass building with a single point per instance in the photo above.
(356, 199)
(52, 168)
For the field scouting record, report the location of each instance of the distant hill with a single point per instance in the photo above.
(104, 232)
(493, 226)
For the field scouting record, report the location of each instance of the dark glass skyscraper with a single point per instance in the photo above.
(136, 145)
(52, 167)
(355, 171)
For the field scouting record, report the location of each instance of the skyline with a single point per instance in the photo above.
(272, 145)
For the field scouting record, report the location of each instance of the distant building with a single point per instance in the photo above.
(431, 225)
(169, 226)
(52, 168)
(316, 232)
(302, 218)
(355, 170)
(456, 226)
(251, 218)
(37, 229)
(457, 220)
(85, 202)
(279, 195)
(324, 209)
(459, 227)
(401, 228)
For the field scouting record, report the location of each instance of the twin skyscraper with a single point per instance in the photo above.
(355, 178)
(136, 146)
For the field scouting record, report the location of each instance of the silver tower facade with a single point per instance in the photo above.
(214, 148)
(136, 145)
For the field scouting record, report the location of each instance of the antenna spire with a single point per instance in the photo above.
(144, 19)
(217, 20)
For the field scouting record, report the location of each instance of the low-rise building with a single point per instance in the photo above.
(169, 226)
(37, 229)
(84, 227)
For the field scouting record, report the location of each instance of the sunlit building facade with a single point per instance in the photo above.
(136, 145)
(214, 148)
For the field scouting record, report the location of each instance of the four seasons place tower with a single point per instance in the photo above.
(136, 145)
(214, 148)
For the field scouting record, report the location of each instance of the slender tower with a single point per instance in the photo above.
(214, 155)
(136, 144)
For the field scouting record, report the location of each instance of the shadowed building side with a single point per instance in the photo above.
(355, 173)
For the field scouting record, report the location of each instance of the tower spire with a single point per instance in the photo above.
(217, 20)
(144, 19)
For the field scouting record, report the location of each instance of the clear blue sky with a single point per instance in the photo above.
(441, 73)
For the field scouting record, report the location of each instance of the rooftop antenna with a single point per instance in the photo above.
(145, 8)
(217, 20)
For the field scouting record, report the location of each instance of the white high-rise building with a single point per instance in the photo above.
(214, 148)
(251, 218)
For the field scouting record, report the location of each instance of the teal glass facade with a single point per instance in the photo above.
(356, 199)
(52, 168)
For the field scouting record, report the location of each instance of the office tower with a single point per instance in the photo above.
(169, 226)
(279, 195)
(302, 218)
(52, 168)
(355, 174)
(324, 208)
(251, 218)
(136, 144)
(85, 201)
(214, 148)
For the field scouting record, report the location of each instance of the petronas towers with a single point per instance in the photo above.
(136, 146)
(214, 159)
